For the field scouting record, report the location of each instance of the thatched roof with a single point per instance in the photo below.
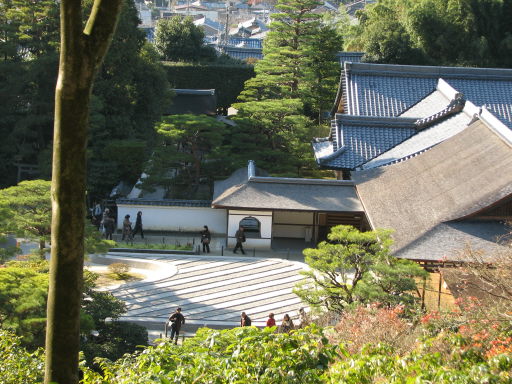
(247, 190)
(453, 180)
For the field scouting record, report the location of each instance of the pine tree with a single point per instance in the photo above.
(279, 74)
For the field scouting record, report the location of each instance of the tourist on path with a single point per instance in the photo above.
(138, 225)
(240, 238)
(97, 214)
(109, 225)
(245, 321)
(127, 228)
(271, 322)
(205, 239)
(286, 325)
(176, 320)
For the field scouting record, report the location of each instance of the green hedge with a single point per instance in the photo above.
(227, 80)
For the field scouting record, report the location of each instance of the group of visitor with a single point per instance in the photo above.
(176, 320)
(105, 221)
(285, 326)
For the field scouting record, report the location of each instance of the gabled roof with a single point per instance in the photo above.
(352, 57)
(355, 140)
(245, 190)
(389, 90)
(206, 22)
(426, 138)
(454, 180)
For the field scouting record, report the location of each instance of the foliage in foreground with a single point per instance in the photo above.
(18, 365)
(479, 352)
(240, 355)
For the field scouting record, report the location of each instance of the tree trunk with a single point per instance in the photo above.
(82, 51)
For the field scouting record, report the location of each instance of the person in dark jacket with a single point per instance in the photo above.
(177, 320)
(240, 238)
(205, 239)
(127, 228)
(109, 225)
(138, 225)
(245, 321)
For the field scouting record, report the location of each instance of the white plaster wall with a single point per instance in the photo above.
(184, 219)
(265, 219)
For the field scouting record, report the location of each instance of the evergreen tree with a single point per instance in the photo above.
(281, 71)
(179, 39)
(356, 267)
(188, 143)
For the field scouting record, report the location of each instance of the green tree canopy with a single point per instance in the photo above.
(188, 143)
(356, 267)
(285, 128)
(179, 39)
(299, 59)
(131, 91)
(25, 209)
(436, 32)
(23, 295)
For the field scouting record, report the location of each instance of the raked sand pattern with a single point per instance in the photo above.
(213, 291)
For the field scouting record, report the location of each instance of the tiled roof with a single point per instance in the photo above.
(246, 42)
(389, 90)
(352, 57)
(242, 52)
(425, 138)
(359, 139)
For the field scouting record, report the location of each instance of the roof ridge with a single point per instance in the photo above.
(455, 106)
(379, 121)
(428, 71)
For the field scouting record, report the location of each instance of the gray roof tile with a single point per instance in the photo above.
(359, 139)
(425, 139)
(389, 90)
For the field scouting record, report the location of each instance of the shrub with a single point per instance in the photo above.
(120, 269)
(18, 365)
(365, 325)
(240, 355)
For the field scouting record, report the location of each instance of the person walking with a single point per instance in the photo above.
(177, 320)
(138, 226)
(245, 321)
(97, 214)
(205, 239)
(286, 325)
(109, 226)
(127, 228)
(240, 238)
(271, 322)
